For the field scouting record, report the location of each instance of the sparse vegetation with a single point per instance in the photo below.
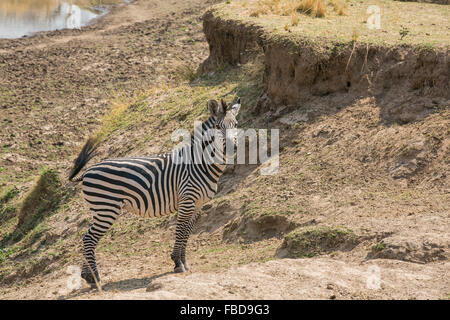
(379, 246)
(116, 116)
(311, 241)
(294, 19)
(314, 8)
(8, 195)
(186, 73)
(38, 204)
(338, 6)
(404, 31)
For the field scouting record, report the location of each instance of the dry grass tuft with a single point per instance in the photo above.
(314, 8)
(338, 6)
(115, 117)
(294, 19)
(186, 73)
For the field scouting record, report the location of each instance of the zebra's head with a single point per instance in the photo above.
(224, 115)
(225, 118)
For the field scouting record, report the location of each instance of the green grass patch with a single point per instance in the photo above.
(380, 246)
(43, 200)
(7, 207)
(311, 241)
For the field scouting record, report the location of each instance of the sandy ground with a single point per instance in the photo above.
(319, 278)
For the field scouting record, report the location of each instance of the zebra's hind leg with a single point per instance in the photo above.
(103, 220)
(185, 221)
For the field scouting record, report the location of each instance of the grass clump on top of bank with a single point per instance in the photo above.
(410, 23)
(313, 8)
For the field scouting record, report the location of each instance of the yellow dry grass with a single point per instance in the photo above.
(338, 6)
(294, 19)
(114, 118)
(314, 8)
(342, 17)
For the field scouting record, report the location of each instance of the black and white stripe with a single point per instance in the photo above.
(155, 186)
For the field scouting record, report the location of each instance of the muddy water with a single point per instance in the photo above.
(25, 17)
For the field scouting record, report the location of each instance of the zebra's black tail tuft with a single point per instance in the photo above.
(86, 154)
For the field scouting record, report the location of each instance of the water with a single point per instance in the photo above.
(19, 18)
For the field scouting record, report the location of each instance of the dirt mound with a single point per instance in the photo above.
(214, 216)
(249, 229)
(413, 249)
(311, 241)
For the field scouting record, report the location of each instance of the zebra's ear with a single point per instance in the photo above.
(236, 107)
(213, 107)
(223, 107)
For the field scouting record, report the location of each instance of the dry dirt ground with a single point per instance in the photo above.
(135, 46)
(358, 210)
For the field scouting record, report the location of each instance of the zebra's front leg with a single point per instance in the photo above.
(189, 227)
(185, 222)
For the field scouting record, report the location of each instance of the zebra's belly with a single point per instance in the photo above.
(126, 203)
(150, 213)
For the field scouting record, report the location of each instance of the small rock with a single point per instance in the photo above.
(153, 287)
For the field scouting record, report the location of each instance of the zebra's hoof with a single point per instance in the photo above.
(179, 269)
(186, 266)
(90, 278)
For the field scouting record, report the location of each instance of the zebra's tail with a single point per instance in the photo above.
(86, 154)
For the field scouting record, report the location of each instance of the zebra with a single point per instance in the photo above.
(155, 186)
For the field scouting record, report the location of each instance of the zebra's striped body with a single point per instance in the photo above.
(133, 184)
(154, 186)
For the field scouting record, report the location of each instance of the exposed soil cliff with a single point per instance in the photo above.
(408, 82)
